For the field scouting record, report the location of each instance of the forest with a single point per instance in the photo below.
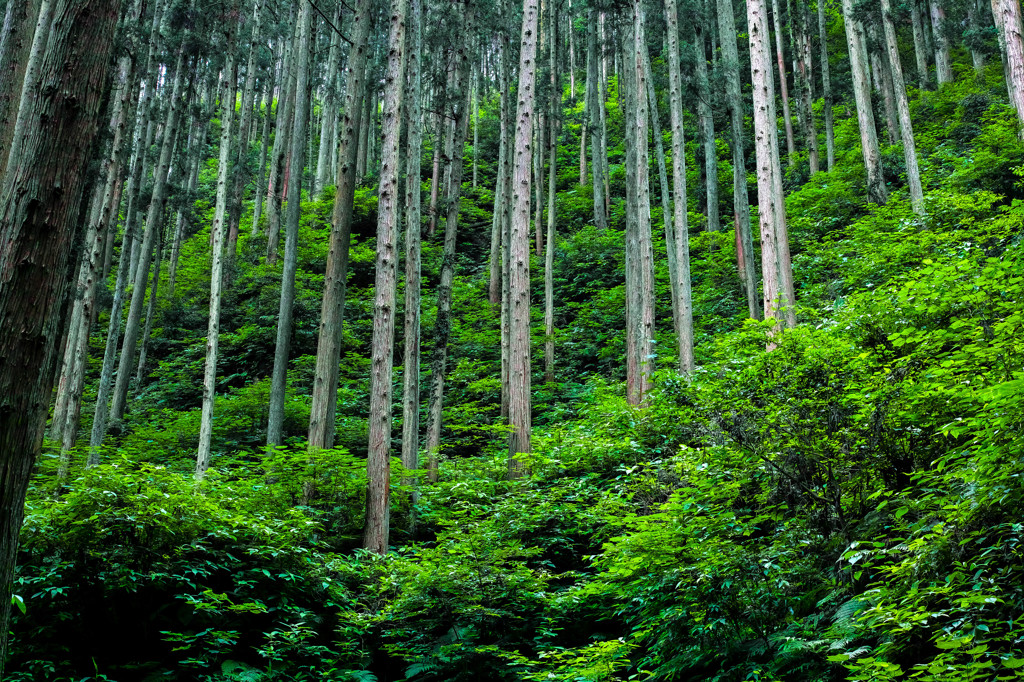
(541, 340)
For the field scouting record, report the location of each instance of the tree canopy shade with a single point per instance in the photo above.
(776, 430)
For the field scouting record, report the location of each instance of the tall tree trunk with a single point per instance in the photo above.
(440, 126)
(218, 233)
(498, 214)
(549, 251)
(40, 198)
(443, 323)
(906, 128)
(741, 201)
(519, 250)
(282, 139)
(684, 313)
(540, 140)
(328, 350)
(943, 62)
(707, 126)
(920, 49)
(883, 78)
(268, 118)
(296, 164)
(154, 218)
(329, 124)
(596, 109)
(150, 311)
(16, 36)
(784, 88)
(378, 461)
(877, 192)
(240, 173)
(826, 86)
(413, 255)
(1011, 32)
(805, 65)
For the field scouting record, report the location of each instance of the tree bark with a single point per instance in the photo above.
(877, 192)
(684, 314)
(596, 108)
(328, 351)
(268, 118)
(279, 154)
(549, 251)
(943, 62)
(519, 250)
(378, 461)
(826, 86)
(906, 127)
(217, 260)
(880, 67)
(40, 198)
(330, 112)
(784, 88)
(707, 126)
(443, 323)
(16, 36)
(500, 199)
(1011, 33)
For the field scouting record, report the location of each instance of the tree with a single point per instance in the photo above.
(378, 461)
(296, 164)
(332, 310)
(1011, 35)
(519, 249)
(906, 127)
(856, 42)
(40, 197)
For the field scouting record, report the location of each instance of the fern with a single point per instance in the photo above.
(236, 671)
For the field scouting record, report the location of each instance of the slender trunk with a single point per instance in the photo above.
(442, 326)
(707, 125)
(540, 132)
(784, 88)
(920, 49)
(153, 219)
(806, 70)
(413, 256)
(1011, 33)
(435, 178)
(877, 192)
(596, 108)
(741, 201)
(150, 311)
(378, 461)
(906, 128)
(880, 67)
(49, 171)
(476, 125)
(197, 140)
(278, 156)
(549, 251)
(498, 214)
(943, 62)
(16, 34)
(240, 173)
(330, 112)
(328, 351)
(684, 312)
(217, 264)
(826, 86)
(296, 163)
(977, 56)
(268, 118)
(519, 250)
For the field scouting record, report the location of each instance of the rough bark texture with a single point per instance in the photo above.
(217, 266)
(682, 231)
(826, 86)
(330, 111)
(328, 352)
(943, 62)
(707, 125)
(741, 201)
(18, 30)
(519, 249)
(549, 250)
(1011, 31)
(279, 153)
(443, 322)
(296, 163)
(595, 107)
(378, 460)
(413, 255)
(40, 199)
(780, 58)
(498, 215)
(855, 40)
(906, 128)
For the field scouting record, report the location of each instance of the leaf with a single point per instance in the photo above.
(16, 600)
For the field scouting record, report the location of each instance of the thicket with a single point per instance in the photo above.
(845, 507)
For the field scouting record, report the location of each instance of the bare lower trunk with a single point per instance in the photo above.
(877, 192)
(826, 85)
(549, 251)
(784, 88)
(279, 154)
(378, 461)
(328, 351)
(920, 49)
(906, 128)
(880, 67)
(217, 266)
(943, 62)
(596, 122)
(498, 214)
(519, 251)
(1011, 32)
(330, 112)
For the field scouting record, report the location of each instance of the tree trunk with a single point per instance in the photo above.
(741, 201)
(806, 70)
(880, 67)
(328, 350)
(330, 112)
(154, 218)
(540, 140)
(549, 251)
(378, 461)
(268, 118)
(596, 108)
(282, 139)
(519, 251)
(826, 86)
(784, 88)
(1011, 32)
(16, 36)
(943, 62)
(684, 313)
(150, 311)
(877, 192)
(217, 261)
(442, 326)
(498, 214)
(413, 256)
(906, 128)
(707, 126)
(296, 164)
(40, 198)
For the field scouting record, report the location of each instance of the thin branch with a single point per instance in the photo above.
(329, 22)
